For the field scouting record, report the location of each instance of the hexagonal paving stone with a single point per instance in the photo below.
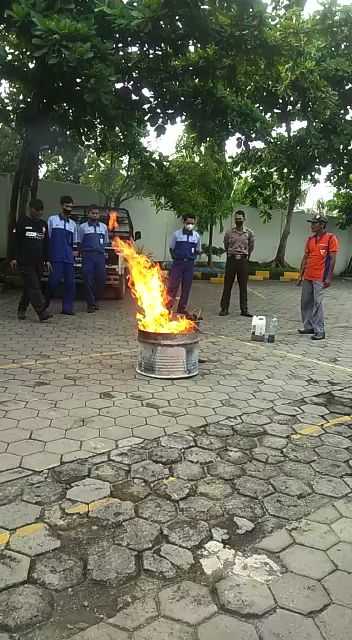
(224, 470)
(276, 542)
(253, 487)
(25, 447)
(112, 510)
(177, 441)
(343, 528)
(188, 471)
(187, 602)
(88, 490)
(199, 456)
(339, 587)
(18, 514)
(299, 594)
(34, 540)
(284, 625)
(162, 628)
(244, 507)
(24, 606)
(283, 506)
(13, 569)
(98, 445)
(307, 562)
(244, 596)
(165, 455)
(156, 509)
(9, 461)
(172, 488)
(128, 456)
(314, 534)
(49, 434)
(103, 632)
(291, 486)
(137, 534)
(331, 467)
(333, 453)
(344, 507)
(341, 555)
(181, 558)
(63, 445)
(132, 490)
(158, 566)
(108, 472)
(149, 471)
(136, 615)
(335, 622)
(187, 533)
(40, 461)
(225, 628)
(58, 571)
(214, 488)
(111, 563)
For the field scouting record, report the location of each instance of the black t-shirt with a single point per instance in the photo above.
(30, 241)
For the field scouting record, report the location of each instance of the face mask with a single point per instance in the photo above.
(189, 227)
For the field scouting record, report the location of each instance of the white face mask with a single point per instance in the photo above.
(189, 227)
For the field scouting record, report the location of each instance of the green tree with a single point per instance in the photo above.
(10, 146)
(74, 66)
(305, 99)
(65, 165)
(197, 180)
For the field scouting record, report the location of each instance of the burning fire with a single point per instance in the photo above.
(148, 288)
(113, 221)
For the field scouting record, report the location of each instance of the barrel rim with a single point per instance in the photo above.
(150, 336)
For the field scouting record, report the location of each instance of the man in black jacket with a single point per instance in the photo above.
(29, 253)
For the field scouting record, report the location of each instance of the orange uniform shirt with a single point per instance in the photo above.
(318, 250)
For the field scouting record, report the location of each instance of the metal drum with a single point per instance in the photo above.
(168, 355)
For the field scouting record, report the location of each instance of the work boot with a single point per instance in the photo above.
(96, 307)
(306, 332)
(21, 315)
(91, 309)
(68, 313)
(44, 316)
(246, 314)
(318, 336)
(224, 312)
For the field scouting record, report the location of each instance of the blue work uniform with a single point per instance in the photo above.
(93, 238)
(185, 246)
(62, 237)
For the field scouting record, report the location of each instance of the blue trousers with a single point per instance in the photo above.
(94, 276)
(62, 271)
(181, 274)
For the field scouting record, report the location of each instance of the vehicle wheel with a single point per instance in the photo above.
(120, 291)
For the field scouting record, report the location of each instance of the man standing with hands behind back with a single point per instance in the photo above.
(239, 245)
(317, 270)
(62, 238)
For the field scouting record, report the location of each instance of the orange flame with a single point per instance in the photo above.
(113, 221)
(148, 288)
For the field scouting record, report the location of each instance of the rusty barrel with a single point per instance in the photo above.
(168, 355)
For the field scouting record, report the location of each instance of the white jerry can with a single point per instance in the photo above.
(258, 328)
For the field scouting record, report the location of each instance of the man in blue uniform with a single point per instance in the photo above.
(62, 237)
(185, 246)
(93, 238)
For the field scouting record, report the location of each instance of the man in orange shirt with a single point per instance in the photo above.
(317, 270)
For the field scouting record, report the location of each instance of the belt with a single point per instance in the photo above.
(238, 256)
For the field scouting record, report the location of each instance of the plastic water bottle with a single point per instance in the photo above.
(273, 328)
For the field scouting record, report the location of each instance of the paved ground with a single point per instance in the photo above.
(136, 509)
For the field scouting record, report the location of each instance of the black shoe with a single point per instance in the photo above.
(318, 336)
(306, 332)
(96, 307)
(45, 316)
(68, 313)
(246, 314)
(224, 312)
(21, 315)
(91, 309)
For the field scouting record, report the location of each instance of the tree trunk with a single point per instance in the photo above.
(210, 244)
(280, 258)
(25, 184)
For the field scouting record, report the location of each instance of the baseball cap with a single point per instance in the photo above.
(318, 218)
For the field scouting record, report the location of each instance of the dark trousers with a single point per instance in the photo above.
(181, 274)
(235, 267)
(62, 271)
(94, 276)
(32, 291)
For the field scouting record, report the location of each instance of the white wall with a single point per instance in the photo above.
(156, 229)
